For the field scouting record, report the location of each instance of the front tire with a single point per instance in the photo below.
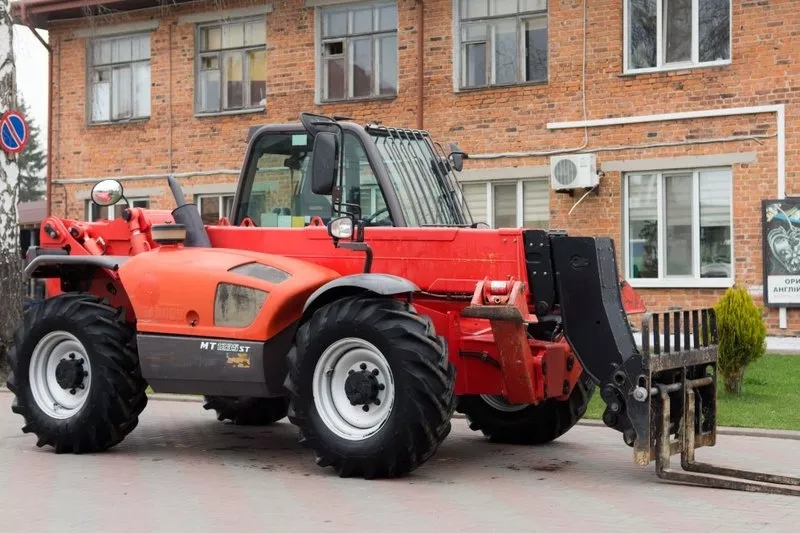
(527, 424)
(75, 374)
(371, 387)
(246, 411)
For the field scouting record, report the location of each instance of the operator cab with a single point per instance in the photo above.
(276, 186)
(390, 177)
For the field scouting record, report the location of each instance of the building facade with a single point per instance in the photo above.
(689, 108)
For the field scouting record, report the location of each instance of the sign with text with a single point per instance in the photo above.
(780, 220)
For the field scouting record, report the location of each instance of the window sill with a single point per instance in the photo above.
(118, 122)
(361, 100)
(682, 68)
(503, 86)
(681, 283)
(248, 111)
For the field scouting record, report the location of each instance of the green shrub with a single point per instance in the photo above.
(742, 336)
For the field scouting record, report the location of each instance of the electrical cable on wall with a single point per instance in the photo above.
(590, 191)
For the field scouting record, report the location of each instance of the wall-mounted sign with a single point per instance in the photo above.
(780, 221)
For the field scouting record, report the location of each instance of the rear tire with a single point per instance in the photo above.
(75, 374)
(247, 411)
(371, 387)
(527, 424)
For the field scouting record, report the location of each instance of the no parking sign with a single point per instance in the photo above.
(14, 132)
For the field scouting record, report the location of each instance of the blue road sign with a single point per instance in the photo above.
(13, 132)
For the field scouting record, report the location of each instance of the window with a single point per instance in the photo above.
(214, 207)
(359, 51)
(676, 33)
(119, 78)
(502, 42)
(678, 228)
(277, 190)
(510, 204)
(94, 212)
(231, 66)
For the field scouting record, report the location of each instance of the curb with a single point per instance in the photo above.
(159, 397)
(734, 431)
(151, 396)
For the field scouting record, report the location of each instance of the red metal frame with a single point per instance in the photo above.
(460, 272)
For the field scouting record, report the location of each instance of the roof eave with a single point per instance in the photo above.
(40, 13)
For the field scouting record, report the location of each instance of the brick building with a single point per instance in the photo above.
(690, 108)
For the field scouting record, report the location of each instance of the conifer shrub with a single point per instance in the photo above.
(742, 336)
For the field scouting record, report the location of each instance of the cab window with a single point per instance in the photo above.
(277, 190)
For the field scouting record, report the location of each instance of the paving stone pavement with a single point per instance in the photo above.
(183, 471)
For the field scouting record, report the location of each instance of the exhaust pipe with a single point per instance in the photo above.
(188, 215)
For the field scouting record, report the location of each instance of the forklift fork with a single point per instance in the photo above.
(687, 376)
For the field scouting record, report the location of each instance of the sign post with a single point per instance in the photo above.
(14, 132)
(780, 222)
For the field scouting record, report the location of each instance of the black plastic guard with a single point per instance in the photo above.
(538, 262)
(596, 327)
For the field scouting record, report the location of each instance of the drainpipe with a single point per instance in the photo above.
(48, 176)
(420, 64)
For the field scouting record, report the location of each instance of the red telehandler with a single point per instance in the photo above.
(352, 291)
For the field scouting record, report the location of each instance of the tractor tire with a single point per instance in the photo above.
(75, 374)
(247, 411)
(526, 424)
(371, 387)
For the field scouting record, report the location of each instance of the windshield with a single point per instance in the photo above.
(426, 189)
(276, 191)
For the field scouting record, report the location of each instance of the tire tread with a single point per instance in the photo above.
(426, 369)
(115, 370)
(534, 425)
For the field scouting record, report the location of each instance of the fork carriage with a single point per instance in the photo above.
(687, 376)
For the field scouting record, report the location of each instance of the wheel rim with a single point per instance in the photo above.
(353, 370)
(500, 403)
(60, 375)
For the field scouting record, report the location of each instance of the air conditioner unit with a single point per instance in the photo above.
(578, 171)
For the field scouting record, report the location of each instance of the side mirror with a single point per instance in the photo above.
(341, 228)
(107, 193)
(324, 162)
(456, 157)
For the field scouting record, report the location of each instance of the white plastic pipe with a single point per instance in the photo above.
(778, 109)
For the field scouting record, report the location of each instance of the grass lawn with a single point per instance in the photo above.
(770, 397)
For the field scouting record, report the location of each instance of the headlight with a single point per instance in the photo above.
(236, 306)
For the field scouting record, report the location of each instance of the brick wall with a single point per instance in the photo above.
(765, 70)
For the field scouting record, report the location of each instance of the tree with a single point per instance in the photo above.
(10, 261)
(31, 160)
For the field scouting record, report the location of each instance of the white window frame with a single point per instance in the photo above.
(91, 68)
(199, 198)
(459, 45)
(490, 184)
(661, 66)
(219, 54)
(347, 51)
(662, 281)
(112, 208)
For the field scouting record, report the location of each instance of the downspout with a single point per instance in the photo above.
(48, 174)
(50, 159)
(420, 64)
(169, 93)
